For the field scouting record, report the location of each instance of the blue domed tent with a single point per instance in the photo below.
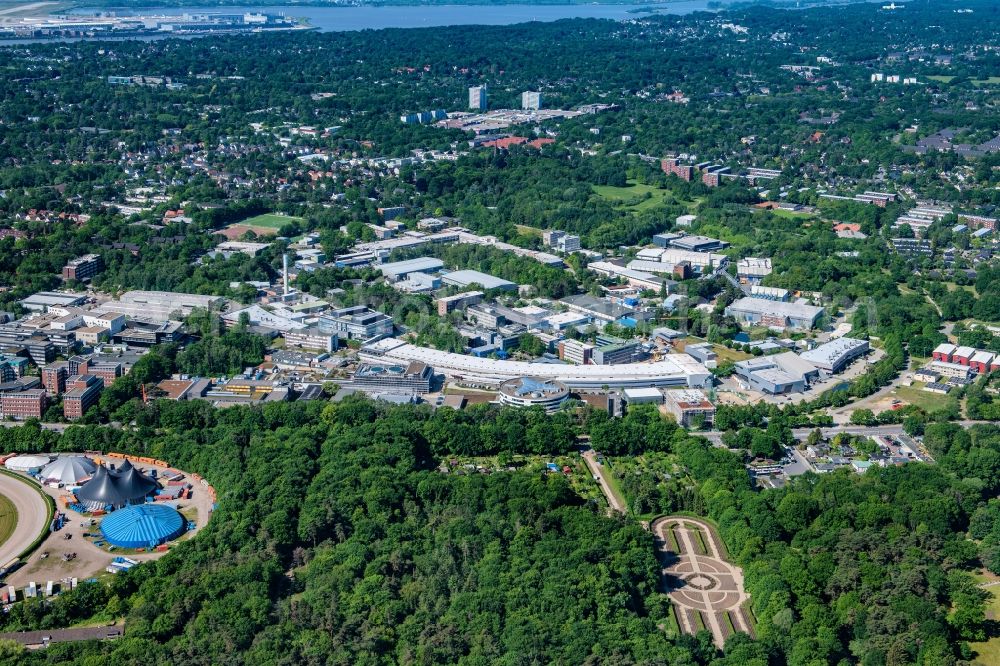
(142, 526)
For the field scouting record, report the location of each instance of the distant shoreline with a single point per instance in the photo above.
(641, 6)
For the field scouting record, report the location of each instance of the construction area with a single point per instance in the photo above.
(111, 512)
(706, 591)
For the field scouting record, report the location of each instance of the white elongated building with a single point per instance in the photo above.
(674, 370)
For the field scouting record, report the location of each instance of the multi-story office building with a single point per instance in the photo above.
(413, 378)
(531, 101)
(106, 371)
(477, 98)
(39, 349)
(311, 338)
(561, 240)
(689, 406)
(626, 352)
(83, 268)
(457, 302)
(54, 378)
(7, 372)
(574, 351)
(82, 392)
(16, 364)
(548, 394)
(356, 323)
(28, 404)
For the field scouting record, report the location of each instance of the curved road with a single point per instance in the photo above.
(32, 514)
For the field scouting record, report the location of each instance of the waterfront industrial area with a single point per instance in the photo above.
(32, 21)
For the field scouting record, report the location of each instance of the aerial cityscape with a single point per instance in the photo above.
(659, 334)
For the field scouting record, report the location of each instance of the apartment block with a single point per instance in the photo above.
(83, 268)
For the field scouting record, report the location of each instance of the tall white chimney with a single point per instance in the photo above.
(284, 261)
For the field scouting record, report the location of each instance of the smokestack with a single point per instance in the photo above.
(284, 262)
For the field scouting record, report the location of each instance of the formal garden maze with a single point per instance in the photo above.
(706, 590)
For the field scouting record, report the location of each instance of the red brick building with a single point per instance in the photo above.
(54, 378)
(20, 405)
(82, 392)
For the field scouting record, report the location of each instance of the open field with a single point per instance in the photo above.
(941, 78)
(633, 197)
(915, 395)
(8, 518)
(792, 214)
(991, 81)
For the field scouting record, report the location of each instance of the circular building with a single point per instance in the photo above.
(142, 526)
(29, 464)
(69, 470)
(548, 394)
(115, 488)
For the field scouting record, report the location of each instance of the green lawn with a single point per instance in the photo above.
(988, 652)
(915, 395)
(632, 197)
(792, 214)
(941, 79)
(8, 518)
(991, 81)
(270, 220)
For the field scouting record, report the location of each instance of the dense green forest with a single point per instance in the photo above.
(336, 540)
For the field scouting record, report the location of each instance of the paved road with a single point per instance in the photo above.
(31, 516)
(800, 466)
(598, 470)
(54, 427)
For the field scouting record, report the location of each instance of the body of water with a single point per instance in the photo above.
(337, 19)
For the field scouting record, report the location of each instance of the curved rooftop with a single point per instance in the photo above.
(672, 370)
(142, 526)
(533, 388)
(70, 470)
(26, 463)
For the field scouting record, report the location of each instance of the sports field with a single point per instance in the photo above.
(262, 225)
(270, 220)
(8, 518)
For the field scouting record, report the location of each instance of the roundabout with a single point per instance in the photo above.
(705, 590)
